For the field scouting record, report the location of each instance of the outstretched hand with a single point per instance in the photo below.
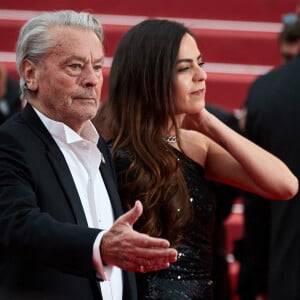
(130, 250)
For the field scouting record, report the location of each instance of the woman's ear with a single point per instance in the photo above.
(31, 75)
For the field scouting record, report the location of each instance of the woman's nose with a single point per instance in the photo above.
(200, 74)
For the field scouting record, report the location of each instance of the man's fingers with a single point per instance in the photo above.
(149, 256)
(132, 215)
(133, 267)
(149, 262)
(145, 242)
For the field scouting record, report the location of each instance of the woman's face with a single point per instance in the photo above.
(190, 78)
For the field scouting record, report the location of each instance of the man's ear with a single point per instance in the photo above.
(31, 75)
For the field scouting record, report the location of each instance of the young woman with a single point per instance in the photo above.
(166, 145)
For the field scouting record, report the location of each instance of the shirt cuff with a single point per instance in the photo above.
(97, 261)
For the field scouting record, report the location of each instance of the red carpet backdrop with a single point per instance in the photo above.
(238, 39)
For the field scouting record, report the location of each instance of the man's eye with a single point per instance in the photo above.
(75, 66)
(97, 67)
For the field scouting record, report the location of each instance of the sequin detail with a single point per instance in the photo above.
(190, 277)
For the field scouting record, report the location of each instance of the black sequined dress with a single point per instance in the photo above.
(190, 277)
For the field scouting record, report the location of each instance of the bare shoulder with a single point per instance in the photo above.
(194, 145)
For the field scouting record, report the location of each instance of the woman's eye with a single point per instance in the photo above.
(201, 64)
(183, 69)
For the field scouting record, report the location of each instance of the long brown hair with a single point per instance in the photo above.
(136, 115)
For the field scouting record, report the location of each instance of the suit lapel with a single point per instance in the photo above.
(63, 173)
(58, 162)
(108, 175)
(111, 189)
(109, 178)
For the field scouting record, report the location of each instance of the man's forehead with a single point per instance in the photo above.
(75, 42)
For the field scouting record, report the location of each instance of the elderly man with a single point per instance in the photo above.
(60, 238)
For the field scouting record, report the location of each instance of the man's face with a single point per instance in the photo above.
(68, 80)
(289, 50)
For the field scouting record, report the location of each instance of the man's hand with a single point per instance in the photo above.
(130, 250)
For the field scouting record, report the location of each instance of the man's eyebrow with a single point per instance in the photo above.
(100, 59)
(80, 58)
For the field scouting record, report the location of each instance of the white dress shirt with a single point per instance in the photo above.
(84, 158)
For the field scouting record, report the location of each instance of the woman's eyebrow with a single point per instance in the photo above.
(188, 60)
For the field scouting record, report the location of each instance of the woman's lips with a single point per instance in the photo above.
(198, 92)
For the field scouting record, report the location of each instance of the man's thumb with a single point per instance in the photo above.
(133, 214)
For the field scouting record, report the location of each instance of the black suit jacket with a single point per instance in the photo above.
(273, 122)
(45, 243)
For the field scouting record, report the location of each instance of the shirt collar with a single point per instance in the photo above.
(67, 135)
